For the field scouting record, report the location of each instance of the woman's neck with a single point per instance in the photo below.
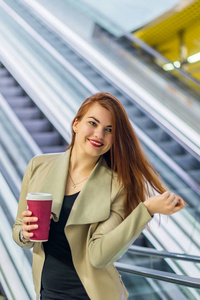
(81, 162)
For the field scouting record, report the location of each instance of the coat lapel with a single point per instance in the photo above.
(56, 180)
(93, 202)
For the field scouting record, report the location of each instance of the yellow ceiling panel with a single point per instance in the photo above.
(167, 28)
(191, 39)
(166, 34)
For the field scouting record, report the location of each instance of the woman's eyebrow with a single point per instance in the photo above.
(95, 119)
(99, 121)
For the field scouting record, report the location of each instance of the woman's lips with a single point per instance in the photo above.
(95, 143)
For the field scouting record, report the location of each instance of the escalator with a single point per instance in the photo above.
(49, 139)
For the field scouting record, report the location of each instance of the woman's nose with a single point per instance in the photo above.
(99, 133)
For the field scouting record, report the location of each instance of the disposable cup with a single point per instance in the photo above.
(40, 205)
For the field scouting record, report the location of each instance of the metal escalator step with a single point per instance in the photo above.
(54, 149)
(195, 174)
(143, 122)
(172, 147)
(71, 56)
(19, 102)
(77, 62)
(108, 89)
(51, 138)
(12, 91)
(89, 72)
(191, 198)
(99, 80)
(133, 111)
(7, 81)
(124, 101)
(28, 113)
(195, 212)
(173, 181)
(187, 162)
(3, 73)
(38, 125)
(158, 135)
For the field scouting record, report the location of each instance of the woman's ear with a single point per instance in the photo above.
(75, 125)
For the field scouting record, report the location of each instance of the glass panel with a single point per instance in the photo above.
(156, 289)
(141, 288)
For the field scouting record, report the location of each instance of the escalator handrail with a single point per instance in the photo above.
(159, 275)
(163, 254)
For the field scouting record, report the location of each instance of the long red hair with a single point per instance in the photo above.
(125, 157)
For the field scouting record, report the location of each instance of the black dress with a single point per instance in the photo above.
(59, 278)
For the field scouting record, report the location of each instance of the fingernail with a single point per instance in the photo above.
(35, 219)
(35, 226)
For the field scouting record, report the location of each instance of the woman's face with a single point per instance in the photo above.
(94, 131)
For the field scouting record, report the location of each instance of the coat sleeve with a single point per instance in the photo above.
(113, 237)
(21, 207)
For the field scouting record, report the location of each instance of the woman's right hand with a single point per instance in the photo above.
(27, 226)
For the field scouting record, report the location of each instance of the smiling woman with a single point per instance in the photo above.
(93, 133)
(101, 203)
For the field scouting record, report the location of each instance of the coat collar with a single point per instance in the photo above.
(93, 202)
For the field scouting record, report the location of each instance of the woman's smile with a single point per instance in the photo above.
(95, 143)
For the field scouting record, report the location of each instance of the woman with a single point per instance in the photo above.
(101, 190)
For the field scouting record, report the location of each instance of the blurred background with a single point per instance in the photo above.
(56, 53)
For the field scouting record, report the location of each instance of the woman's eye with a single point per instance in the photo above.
(109, 130)
(92, 123)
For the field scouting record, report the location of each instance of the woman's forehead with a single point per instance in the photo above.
(99, 112)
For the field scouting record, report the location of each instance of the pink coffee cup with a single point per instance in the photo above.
(40, 206)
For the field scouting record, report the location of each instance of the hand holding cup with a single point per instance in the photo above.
(36, 220)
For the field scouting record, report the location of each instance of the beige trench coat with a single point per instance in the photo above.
(96, 230)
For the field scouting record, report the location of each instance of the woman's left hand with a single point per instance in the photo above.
(166, 203)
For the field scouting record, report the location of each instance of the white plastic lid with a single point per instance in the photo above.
(39, 196)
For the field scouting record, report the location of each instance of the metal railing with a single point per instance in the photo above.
(159, 275)
(163, 254)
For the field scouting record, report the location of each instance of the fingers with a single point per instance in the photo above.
(169, 203)
(175, 202)
(26, 213)
(166, 194)
(27, 224)
(26, 227)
